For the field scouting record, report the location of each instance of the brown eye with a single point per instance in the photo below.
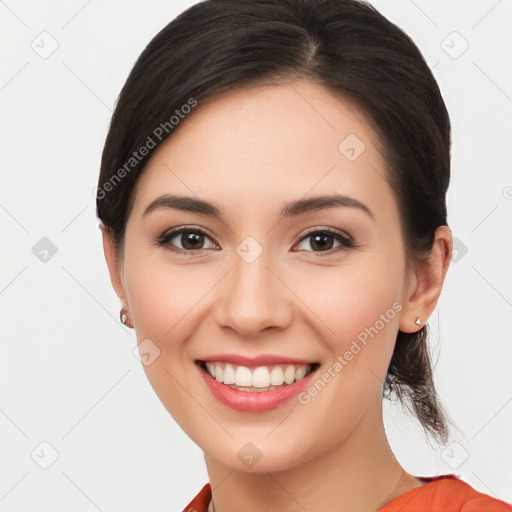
(186, 240)
(191, 240)
(323, 241)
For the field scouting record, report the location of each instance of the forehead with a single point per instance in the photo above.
(256, 147)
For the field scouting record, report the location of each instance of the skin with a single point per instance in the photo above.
(250, 151)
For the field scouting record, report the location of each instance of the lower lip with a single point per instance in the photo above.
(253, 401)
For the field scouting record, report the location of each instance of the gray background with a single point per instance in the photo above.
(69, 378)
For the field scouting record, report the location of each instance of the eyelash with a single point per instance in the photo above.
(346, 242)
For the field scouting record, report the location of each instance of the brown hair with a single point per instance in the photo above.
(348, 47)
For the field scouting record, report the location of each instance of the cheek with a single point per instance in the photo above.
(163, 296)
(358, 311)
(355, 302)
(163, 302)
(152, 303)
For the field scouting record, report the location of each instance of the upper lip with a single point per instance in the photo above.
(260, 360)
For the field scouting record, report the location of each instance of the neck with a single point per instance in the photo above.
(360, 474)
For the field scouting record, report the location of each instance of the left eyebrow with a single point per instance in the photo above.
(316, 203)
(292, 209)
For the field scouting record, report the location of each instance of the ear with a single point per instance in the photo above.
(426, 282)
(116, 276)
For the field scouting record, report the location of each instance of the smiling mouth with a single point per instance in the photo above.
(256, 378)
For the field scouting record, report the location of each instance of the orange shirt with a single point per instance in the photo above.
(445, 493)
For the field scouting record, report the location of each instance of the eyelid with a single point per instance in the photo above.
(324, 229)
(346, 240)
(185, 227)
(164, 239)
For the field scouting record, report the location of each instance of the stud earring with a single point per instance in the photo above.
(123, 316)
(418, 321)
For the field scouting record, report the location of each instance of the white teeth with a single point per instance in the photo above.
(243, 376)
(257, 378)
(229, 374)
(289, 374)
(300, 373)
(276, 376)
(261, 377)
(211, 369)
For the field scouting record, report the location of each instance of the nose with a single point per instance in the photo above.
(253, 298)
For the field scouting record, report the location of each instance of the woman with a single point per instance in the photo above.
(273, 206)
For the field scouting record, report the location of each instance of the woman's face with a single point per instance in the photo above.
(269, 276)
